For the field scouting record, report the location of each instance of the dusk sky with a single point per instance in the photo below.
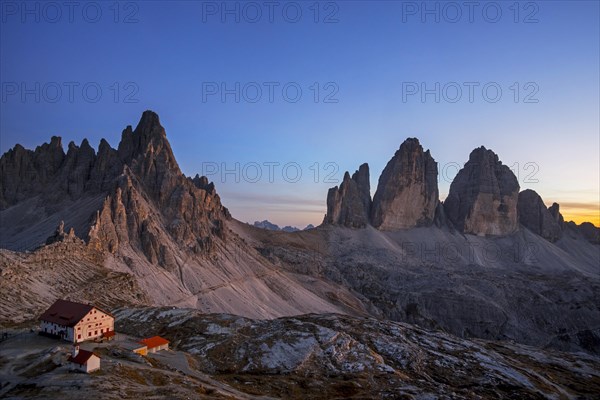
(361, 68)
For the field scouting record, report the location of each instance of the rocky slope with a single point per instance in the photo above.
(518, 287)
(67, 269)
(134, 208)
(483, 196)
(333, 356)
(308, 357)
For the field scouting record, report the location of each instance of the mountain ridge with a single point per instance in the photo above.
(130, 211)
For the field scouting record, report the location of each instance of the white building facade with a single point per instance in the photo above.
(92, 326)
(84, 361)
(76, 322)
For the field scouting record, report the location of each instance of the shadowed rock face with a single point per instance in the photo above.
(483, 196)
(534, 215)
(407, 193)
(350, 204)
(153, 205)
(554, 210)
(587, 230)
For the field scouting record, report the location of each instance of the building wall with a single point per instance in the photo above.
(93, 325)
(55, 329)
(158, 348)
(92, 364)
(142, 351)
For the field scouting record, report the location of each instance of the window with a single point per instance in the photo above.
(89, 334)
(78, 328)
(95, 332)
(79, 336)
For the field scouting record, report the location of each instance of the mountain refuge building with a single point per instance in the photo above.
(76, 322)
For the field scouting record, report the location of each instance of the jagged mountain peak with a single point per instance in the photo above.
(483, 196)
(482, 154)
(148, 140)
(362, 172)
(407, 191)
(350, 204)
(147, 200)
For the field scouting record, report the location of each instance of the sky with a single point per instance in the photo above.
(274, 101)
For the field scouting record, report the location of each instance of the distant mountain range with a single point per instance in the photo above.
(273, 227)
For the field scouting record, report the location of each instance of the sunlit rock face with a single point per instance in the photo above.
(407, 193)
(483, 196)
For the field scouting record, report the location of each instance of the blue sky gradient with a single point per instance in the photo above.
(168, 52)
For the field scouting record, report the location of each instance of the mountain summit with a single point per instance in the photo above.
(122, 197)
(350, 205)
(407, 194)
(483, 196)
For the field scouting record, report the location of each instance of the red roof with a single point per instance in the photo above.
(154, 341)
(67, 313)
(82, 357)
(109, 334)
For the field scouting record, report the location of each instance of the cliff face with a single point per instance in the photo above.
(406, 197)
(350, 204)
(483, 196)
(147, 202)
(534, 215)
(407, 193)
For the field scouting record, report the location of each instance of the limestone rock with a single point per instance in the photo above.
(76, 168)
(554, 210)
(585, 230)
(149, 205)
(60, 235)
(106, 168)
(201, 182)
(440, 219)
(349, 205)
(154, 208)
(26, 173)
(534, 215)
(407, 194)
(483, 196)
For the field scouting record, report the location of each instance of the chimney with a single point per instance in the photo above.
(75, 350)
